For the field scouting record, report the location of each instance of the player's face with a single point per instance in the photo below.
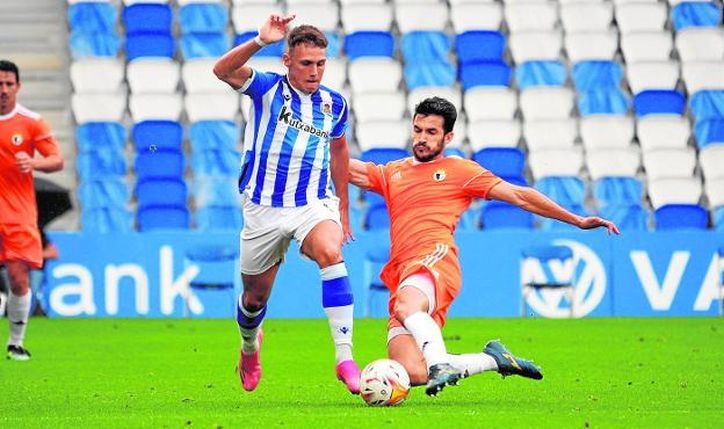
(429, 137)
(306, 66)
(9, 87)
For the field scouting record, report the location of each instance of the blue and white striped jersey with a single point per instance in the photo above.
(286, 143)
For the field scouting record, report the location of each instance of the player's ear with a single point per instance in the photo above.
(447, 138)
(286, 59)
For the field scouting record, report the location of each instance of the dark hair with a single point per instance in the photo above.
(9, 66)
(307, 34)
(441, 107)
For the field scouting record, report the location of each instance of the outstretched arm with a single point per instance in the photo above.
(533, 201)
(232, 69)
(358, 174)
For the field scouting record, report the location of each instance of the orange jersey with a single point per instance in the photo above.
(21, 131)
(425, 201)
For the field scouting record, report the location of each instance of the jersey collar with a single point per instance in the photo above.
(11, 114)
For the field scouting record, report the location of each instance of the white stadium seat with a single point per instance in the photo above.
(711, 159)
(321, 14)
(266, 64)
(586, 16)
(663, 132)
(383, 134)
(378, 106)
(96, 75)
(550, 133)
(618, 3)
(686, 190)
(607, 131)
(715, 192)
(99, 107)
(640, 16)
(335, 73)
(374, 74)
(494, 133)
(211, 106)
(476, 16)
(601, 45)
(546, 103)
(198, 76)
(250, 16)
(366, 17)
(460, 132)
(153, 75)
(354, 2)
(145, 107)
(613, 162)
(647, 46)
(703, 75)
(668, 163)
(700, 44)
(535, 45)
(421, 17)
(449, 93)
(556, 162)
(531, 16)
(652, 75)
(483, 103)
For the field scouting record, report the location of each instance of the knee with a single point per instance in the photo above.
(402, 311)
(327, 253)
(18, 283)
(254, 300)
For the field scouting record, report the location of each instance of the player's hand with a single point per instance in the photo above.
(591, 222)
(275, 28)
(24, 162)
(348, 235)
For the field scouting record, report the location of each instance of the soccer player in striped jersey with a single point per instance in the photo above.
(294, 150)
(425, 196)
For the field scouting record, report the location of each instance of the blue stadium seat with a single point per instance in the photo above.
(150, 45)
(203, 18)
(376, 217)
(383, 155)
(94, 135)
(540, 73)
(83, 44)
(626, 217)
(454, 151)
(696, 14)
(717, 217)
(422, 47)
(216, 162)
(273, 50)
(658, 102)
(602, 102)
(709, 131)
(162, 217)
(595, 75)
(567, 191)
(101, 164)
(106, 220)
(147, 18)
(164, 192)
(157, 135)
(707, 104)
(100, 193)
(547, 224)
(216, 135)
(216, 191)
(92, 17)
(501, 161)
(204, 45)
(218, 218)
(489, 73)
(479, 46)
(161, 164)
(334, 44)
(369, 44)
(618, 191)
(501, 215)
(430, 74)
(681, 216)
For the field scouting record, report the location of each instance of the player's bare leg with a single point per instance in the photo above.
(323, 244)
(18, 308)
(249, 315)
(403, 349)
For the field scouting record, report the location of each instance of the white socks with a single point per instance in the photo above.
(428, 337)
(472, 363)
(338, 304)
(249, 340)
(18, 312)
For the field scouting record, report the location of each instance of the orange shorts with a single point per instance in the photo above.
(21, 243)
(445, 273)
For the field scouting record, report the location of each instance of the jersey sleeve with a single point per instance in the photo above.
(341, 126)
(259, 83)
(376, 177)
(43, 139)
(477, 181)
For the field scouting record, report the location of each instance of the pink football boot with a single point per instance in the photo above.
(348, 373)
(250, 367)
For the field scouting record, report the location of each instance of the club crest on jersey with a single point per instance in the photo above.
(17, 139)
(439, 175)
(327, 108)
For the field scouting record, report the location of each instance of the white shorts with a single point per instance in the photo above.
(269, 230)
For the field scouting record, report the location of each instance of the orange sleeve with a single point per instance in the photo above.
(43, 138)
(477, 181)
(376, 178)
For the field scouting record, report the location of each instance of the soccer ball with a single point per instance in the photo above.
(384, 382)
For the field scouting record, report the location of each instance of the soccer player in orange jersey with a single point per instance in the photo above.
(22, 133)
(425, 196)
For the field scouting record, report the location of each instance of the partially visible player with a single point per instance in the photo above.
(22, 134)
(294, 146)
(425, 196)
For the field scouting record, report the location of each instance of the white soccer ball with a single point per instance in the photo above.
(384, 382)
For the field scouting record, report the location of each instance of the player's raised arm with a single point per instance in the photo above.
(535, 202)
(358, 174)
(232, 69)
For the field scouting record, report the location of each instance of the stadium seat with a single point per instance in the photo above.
(602, 101)
(157, 135)
(153, 75)
(147, 18)
(218, 267)
(383, 155)
(709, 131)
(214, 135)
(479, 46)
(476, 16)
(607, 131)
(215, 162)
(591, 46)
(536, 45)
(703, 75)
(322, 14)
(420, 16)
(211, 106)
(101, 163)
(100, 193)
(98, 107)
(652, 75)
(106, 220)
(203, 17)
(540, 73)
(92, 135)
(502, 161)
(586, 16)
(546, 103)
(150, 45)
(617, 190)
(369, 44)
(376, 217)
(666, 163)
(501, 215)
(383, 134)
(700, 44)
(663, 131)
(84, 75)
(366, 17)
(487, 73)
(641, 16)
(696, 14)
(627, 218)
(153, 192)
(659, 102)
(145, 107)
(484, 103)
(274, 50)
(450, 93)
(714, 189)
(84, 45)
(707, 104)
(531, 16)
(92, 17)
(160, 164)
(647, 46)
(618, 162)
(335, 73)
(216, 191)
(494, 133)
(550, 133)
(150, 218)
(595, 75)
(374, 74)
(429, 74)
(219, 218)
(682, 190)
(247, 17)
(379, 106)
(711, 160)
(198, 76)
(680, 216)
(209, 45)
(555, 162)
(568, 191)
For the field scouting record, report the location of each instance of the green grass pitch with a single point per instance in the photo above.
(103, 373)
